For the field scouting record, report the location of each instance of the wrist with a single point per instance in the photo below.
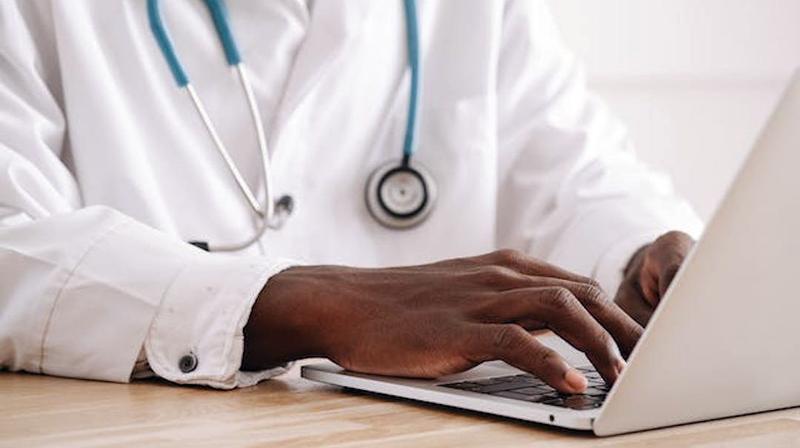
(281, 327)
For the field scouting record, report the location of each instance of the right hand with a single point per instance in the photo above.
(438, 319)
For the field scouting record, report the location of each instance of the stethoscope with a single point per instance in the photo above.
(399, 194)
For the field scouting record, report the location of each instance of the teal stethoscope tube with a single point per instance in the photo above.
(219, 14)
(412, 37)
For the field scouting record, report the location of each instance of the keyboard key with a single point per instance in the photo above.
(516, 396)
(534, 390)
(501, 387)
(491, 381)
(526, 387)
(529, 379)
(594, 392)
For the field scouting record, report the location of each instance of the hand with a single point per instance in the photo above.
(438, 319)
(649, 274)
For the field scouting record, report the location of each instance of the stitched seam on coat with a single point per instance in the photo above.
(71, 274)
(226, 379)
(240, 314)
(155, 342)
(154, 323)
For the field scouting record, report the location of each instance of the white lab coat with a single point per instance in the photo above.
(106, 170)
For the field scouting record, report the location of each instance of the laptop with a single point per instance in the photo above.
(725, 340)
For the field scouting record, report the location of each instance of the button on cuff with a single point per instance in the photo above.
(188, 363)
(203, 314)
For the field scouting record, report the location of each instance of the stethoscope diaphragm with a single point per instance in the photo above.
(400, 196)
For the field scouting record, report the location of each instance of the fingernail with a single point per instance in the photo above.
(576, 380)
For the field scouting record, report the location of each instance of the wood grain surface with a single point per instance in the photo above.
(290, 411)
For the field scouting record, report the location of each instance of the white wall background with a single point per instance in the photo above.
(695, 80)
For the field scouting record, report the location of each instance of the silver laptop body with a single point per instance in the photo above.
(724, 342)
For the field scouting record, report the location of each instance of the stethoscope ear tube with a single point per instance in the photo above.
(219, 14)
(165, 43)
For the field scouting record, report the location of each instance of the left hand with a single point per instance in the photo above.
(649, 274)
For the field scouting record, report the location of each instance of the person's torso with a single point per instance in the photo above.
(332, 83)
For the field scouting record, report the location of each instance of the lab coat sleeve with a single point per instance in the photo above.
(86, 288)
(571, 189)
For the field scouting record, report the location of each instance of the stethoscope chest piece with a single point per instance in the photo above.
(400, 196)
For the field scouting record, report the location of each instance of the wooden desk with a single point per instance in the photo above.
(37, 411)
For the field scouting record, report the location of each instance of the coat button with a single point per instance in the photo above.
(188, 363)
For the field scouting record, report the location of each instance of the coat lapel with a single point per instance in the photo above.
(333, 26)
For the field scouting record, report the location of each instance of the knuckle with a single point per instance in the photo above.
(509, 256)
(597, 341)
(604, 340)
(634, 333)
(493, 275)
(674, 235)
(595, 295)
(593, 283)
(561, 298)
(508, 337)
(544, 356)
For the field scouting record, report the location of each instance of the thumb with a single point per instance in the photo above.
(666, 277)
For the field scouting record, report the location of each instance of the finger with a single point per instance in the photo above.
(524, 264)
(568, 317)
(673, 246)
(668, 253)
(515, 346)
(666, 277)
(622, 327)
(648, 283)
(630, 300)
(558, 309)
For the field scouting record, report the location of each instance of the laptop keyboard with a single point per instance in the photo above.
(526, 387)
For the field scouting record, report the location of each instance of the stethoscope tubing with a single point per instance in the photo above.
(412, 37)
(267, 214)
(219, 16)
